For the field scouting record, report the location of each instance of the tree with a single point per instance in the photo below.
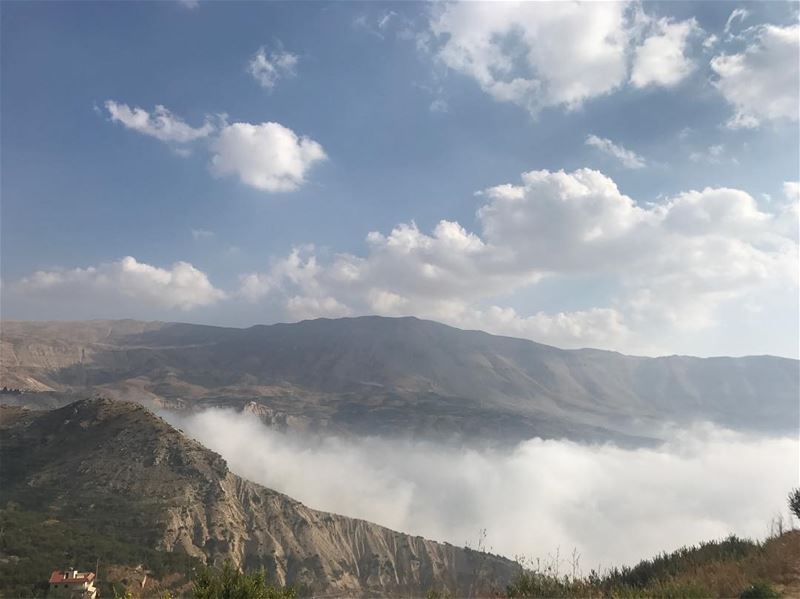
(232, 583)
(794, 502)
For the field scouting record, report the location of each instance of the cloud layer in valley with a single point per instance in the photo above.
(612, 505)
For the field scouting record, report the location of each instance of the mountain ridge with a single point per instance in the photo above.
(400, 376)
(259, 326)
(121, 470)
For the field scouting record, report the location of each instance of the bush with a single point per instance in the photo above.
(232, 583)
(794, 502)
(759, 590)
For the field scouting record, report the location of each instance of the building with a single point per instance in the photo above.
(72, 584)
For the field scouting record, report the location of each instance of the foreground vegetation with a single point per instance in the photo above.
(230, 583)
(732, 567)
(33, 544)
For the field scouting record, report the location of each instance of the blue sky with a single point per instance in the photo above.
(408, 114)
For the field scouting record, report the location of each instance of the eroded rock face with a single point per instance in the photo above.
(129, 473)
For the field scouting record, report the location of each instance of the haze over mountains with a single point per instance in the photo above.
(398, 376)
(363, 392)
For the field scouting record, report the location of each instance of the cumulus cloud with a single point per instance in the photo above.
(761, 83)
(661, 59)
(673, 263)
(613, 505)
(535, 54)
(267, 69)
(538, 55)
(710, 41)
(267, 156)
(580, 328)
(791, 190)
(161, 123)
(181, 286)
(627, 158)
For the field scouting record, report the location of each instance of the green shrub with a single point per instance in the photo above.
(759, 590)
(232, 583)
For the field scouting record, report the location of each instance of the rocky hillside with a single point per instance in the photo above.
(398, 376)
(116, 469)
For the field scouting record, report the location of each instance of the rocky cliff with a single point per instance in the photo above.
(124, 472)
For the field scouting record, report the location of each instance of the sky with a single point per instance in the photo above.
(622, 176)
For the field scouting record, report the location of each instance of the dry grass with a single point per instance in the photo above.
(718, 569)
(776, 562)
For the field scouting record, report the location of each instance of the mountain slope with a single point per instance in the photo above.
(385, 375)
(117, 469)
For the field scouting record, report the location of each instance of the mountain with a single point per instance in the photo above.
(398, 376)
(121, 472)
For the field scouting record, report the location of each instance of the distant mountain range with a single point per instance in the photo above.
(143, 489)
(397, 376)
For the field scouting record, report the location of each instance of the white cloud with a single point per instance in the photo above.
(161, 124)
(627, 158)
(379, 25)
(267, 156)
(301, 308)
(791, 190)
(661, 59)
(182, 286)
(739, 14)
(438, 105)
(713, 155)
(531, 499)
(268, 69)
(199, 234)
(762, 82)
(190, 4)
(673, 264)
(580, 328)
(535, 54)
(253, 286)
(710, 41)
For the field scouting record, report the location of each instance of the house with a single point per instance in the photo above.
(71, 584)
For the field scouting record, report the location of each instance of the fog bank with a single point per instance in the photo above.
(613, 505)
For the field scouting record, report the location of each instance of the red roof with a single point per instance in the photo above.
(59, 577)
